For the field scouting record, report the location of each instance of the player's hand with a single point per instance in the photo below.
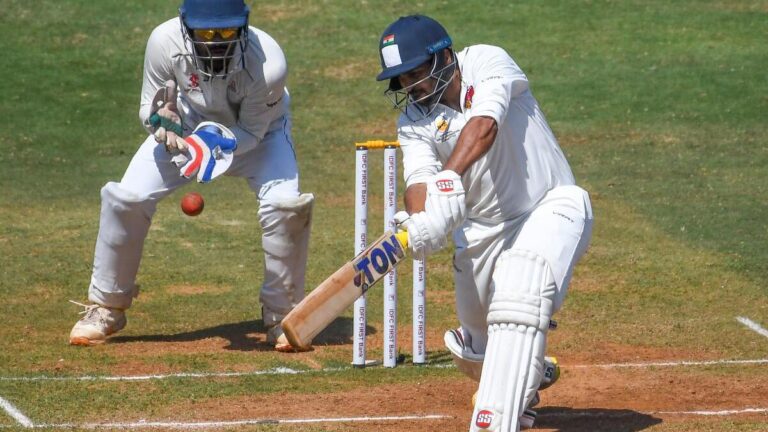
(444, 211)
(211, 147)
(165, 118)
(445, 199)
(401, 218)
(424, 237)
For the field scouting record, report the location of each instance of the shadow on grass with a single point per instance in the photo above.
(248, 335)
(562, 419)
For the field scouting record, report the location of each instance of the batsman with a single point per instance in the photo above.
(481, 164)
(213, 102)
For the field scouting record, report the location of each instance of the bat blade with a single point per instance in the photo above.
(326, 302)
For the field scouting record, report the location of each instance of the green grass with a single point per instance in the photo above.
(659, 106)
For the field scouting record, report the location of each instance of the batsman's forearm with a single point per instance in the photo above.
(475, 140)
(415, 198)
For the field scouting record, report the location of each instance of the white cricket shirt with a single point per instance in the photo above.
(524, 162)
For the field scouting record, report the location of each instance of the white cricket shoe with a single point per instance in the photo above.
(276, 337)
(97, 323)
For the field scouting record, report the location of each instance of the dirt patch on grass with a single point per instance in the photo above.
(198, 289)
(351, 69)
(420, 399)
(590, 396)
(593, 394)
(585, 400)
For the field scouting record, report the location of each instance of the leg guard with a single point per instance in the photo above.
(123, 226)
(459, 343)
(518, 319)
(286, 225)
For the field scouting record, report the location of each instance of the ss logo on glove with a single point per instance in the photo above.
(444, 185)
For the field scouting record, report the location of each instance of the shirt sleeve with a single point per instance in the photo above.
(267, 99)
(420, 160)
(497, 79)
(157, 70)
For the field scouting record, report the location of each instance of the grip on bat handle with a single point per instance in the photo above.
(402, 237)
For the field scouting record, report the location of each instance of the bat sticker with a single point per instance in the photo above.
(377, 262)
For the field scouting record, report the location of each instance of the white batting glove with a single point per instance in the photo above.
(401, 218)
(165, 118)
(445, 210)
(445, 199)
(425, 237)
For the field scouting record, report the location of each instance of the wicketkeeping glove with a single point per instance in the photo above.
(165, 118)
(210, 148)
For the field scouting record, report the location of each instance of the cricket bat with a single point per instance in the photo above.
(326, 302)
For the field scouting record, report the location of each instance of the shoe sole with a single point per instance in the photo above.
(84, 341)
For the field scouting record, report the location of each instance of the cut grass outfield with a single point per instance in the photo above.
(659, 106)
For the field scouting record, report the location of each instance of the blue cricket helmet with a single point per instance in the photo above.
(210, 14)
(215, 58)
(409, 42)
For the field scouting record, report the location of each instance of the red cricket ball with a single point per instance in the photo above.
(192, 204)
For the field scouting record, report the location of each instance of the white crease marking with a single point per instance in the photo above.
(757, 328)
(16, 414)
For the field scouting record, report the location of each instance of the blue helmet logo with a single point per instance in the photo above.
(408, 43)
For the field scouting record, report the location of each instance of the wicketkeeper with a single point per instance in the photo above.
(481, 163)
(219, 84)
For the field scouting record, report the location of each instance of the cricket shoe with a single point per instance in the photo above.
(97, 323)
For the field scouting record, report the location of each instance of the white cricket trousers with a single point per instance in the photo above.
(558, 228)
(128, 207)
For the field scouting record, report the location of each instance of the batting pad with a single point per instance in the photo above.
(518, 320)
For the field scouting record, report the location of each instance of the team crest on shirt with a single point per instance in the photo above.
(441, 123)
(194, 82)
(442, 128)
(468, 97)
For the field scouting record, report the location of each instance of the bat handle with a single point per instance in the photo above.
(402, 237)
